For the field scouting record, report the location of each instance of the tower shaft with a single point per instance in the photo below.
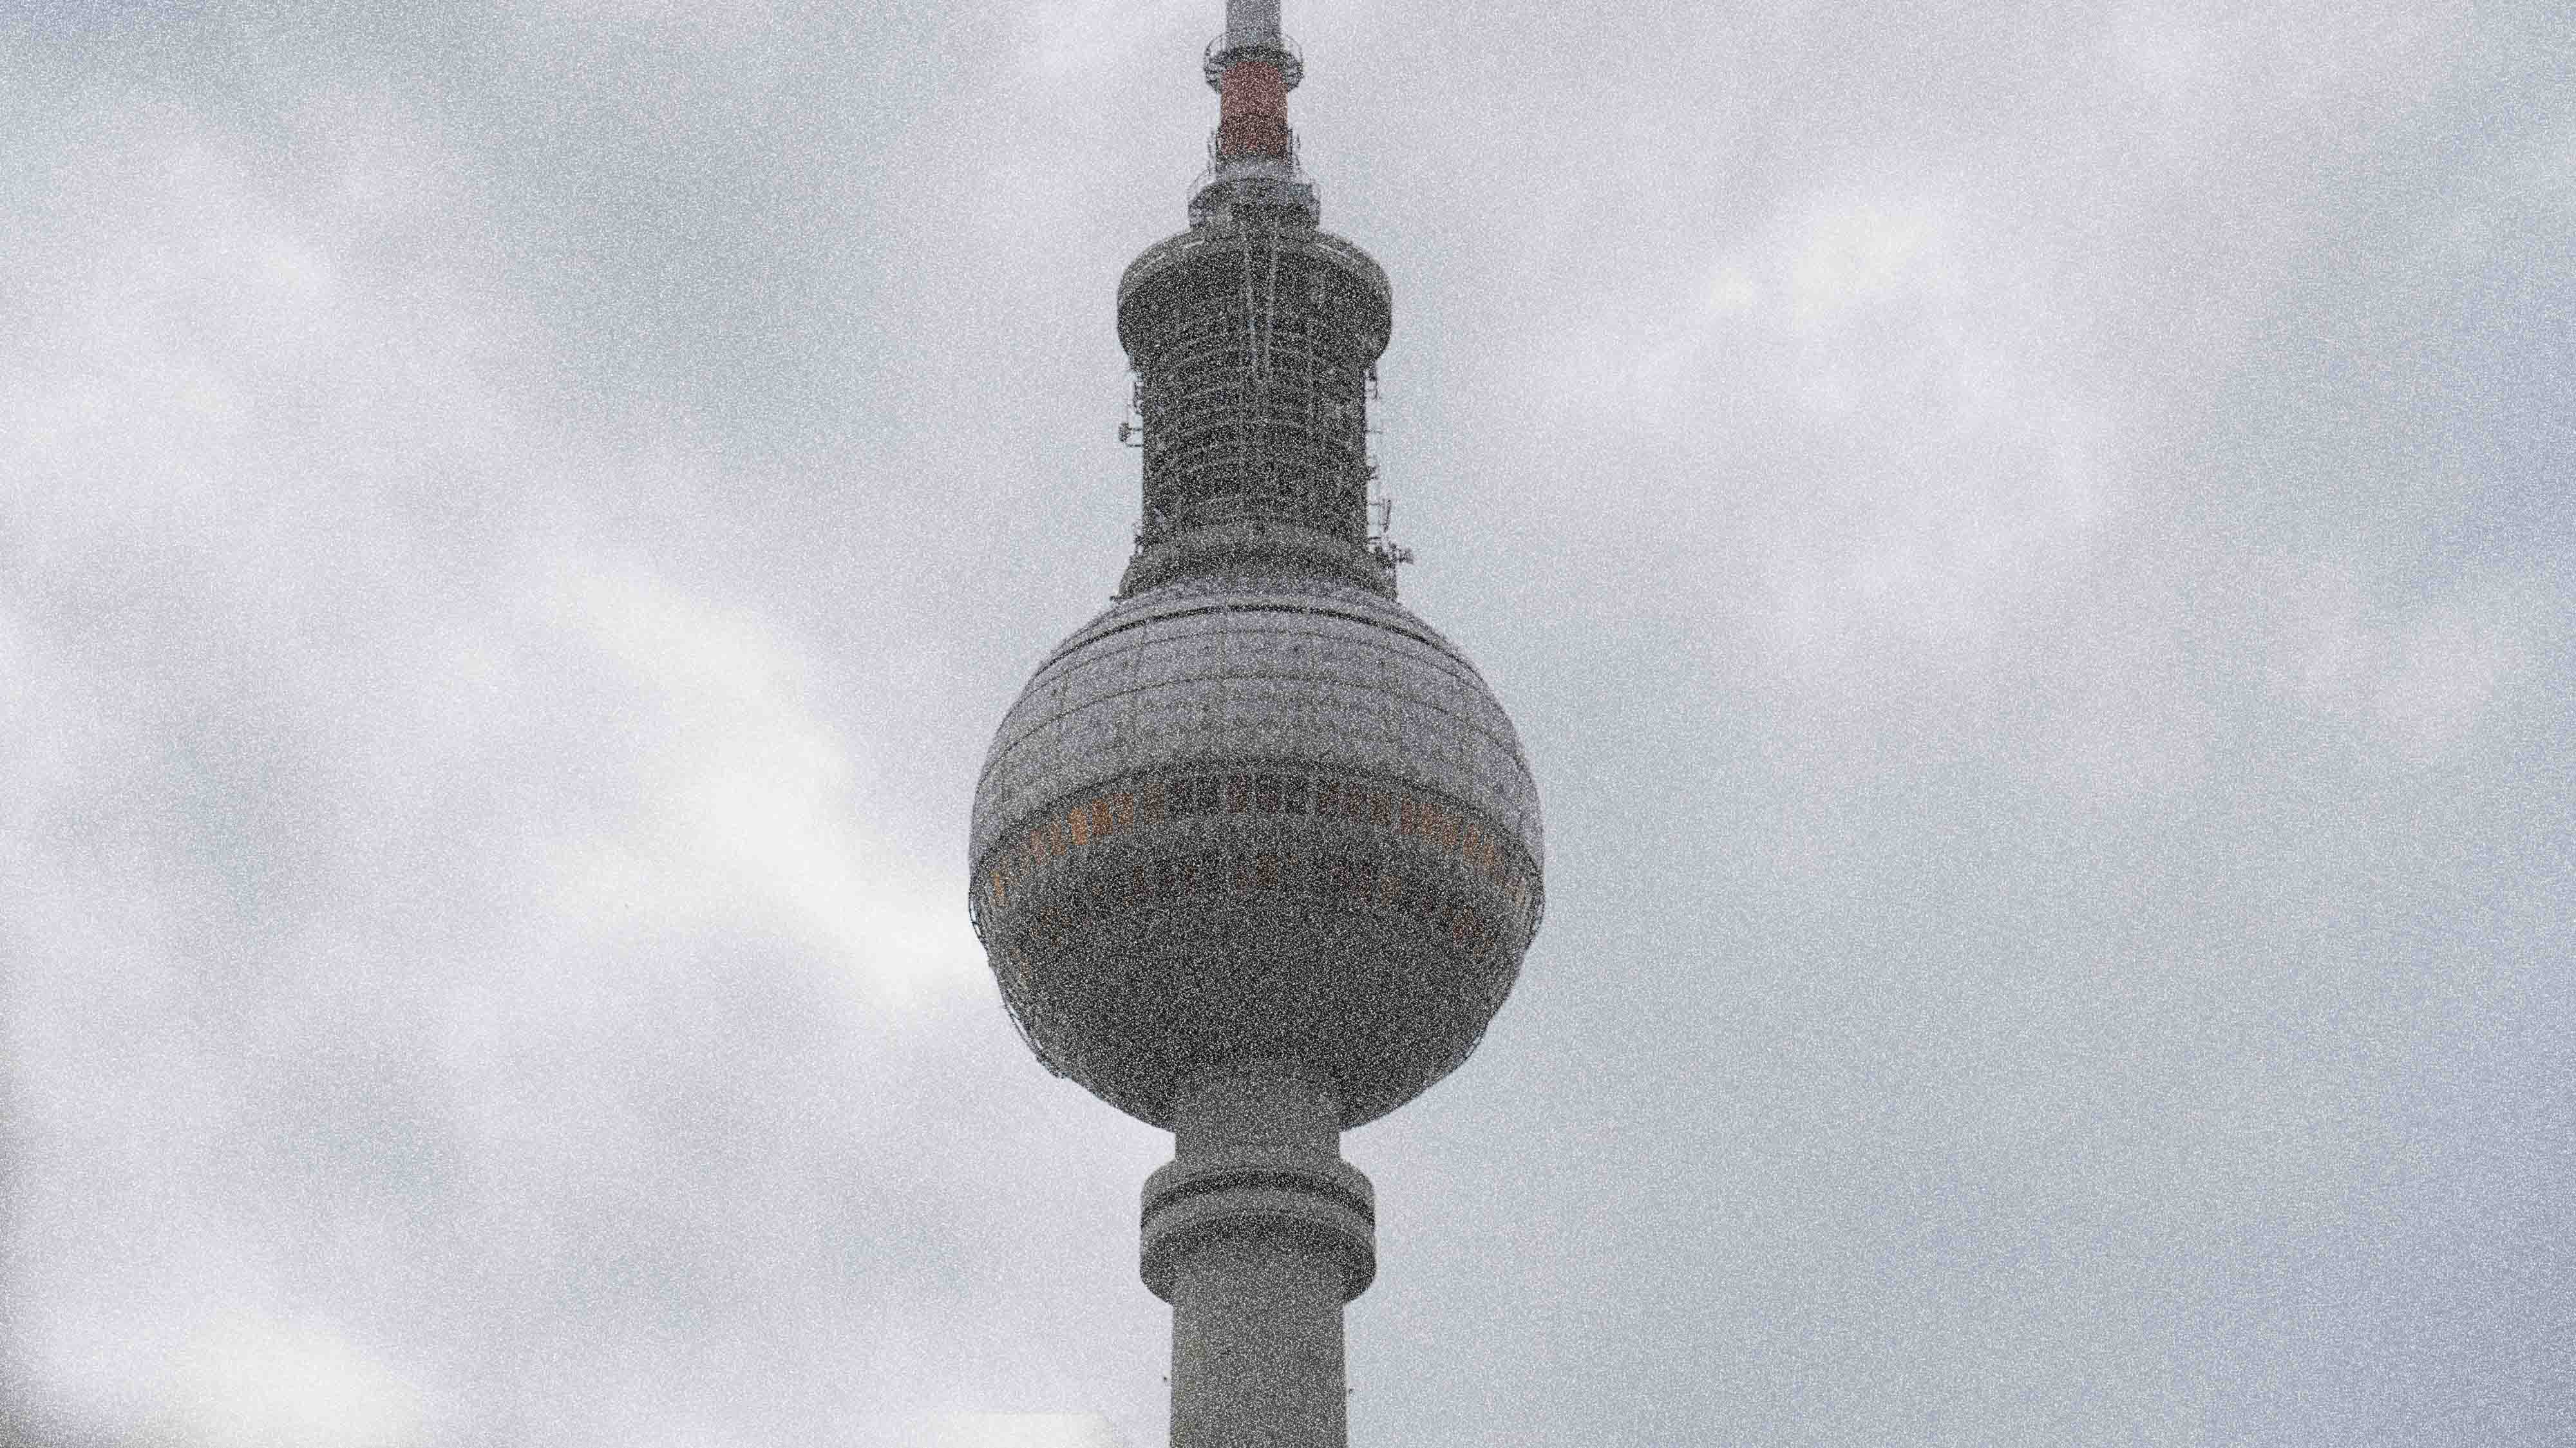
(1257, 1347)
(1257, 1234)
(1253, 118)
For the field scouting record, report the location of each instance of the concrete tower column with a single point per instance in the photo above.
(1251, 20)
(1257, 1233)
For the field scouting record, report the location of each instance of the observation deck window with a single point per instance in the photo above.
(1073, 826)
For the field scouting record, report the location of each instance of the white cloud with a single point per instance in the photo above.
(1016, 1430)
(251, 1383)
(2412, 686)
(1065, 36)
(325, 636)
(1732, 288)
(673, 22)
(751, 808)
(2444, 670)
(1956, 469)
(1845, 256)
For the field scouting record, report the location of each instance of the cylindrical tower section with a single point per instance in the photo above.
(1252, 116)
(1252, 346)
(1257, 1234)
(1251, 20)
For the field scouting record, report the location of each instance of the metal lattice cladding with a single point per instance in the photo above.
(1252, 342)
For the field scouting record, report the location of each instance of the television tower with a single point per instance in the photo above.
(1256, 854)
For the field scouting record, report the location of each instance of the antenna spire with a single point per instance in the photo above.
(1252, 158)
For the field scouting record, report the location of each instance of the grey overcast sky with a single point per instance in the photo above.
(2030, 546)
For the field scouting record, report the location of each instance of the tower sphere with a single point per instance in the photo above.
(1256, 811)
(1259, 811)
